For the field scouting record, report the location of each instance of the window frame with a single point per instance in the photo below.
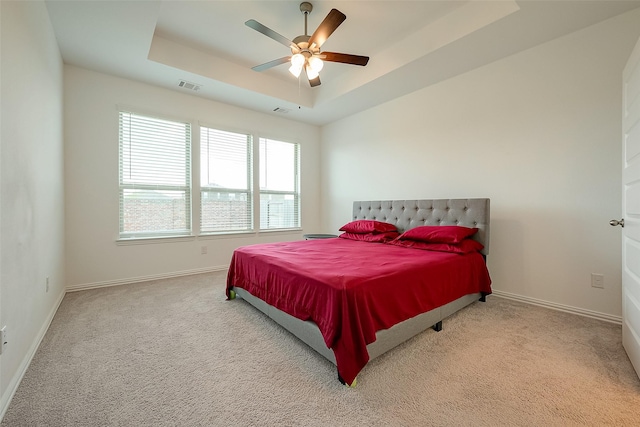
(250, 183)
(187, 187)
(195, 189)
(296, 192)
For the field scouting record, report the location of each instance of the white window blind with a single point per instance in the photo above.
(155, 190)
(225, 180)
(279, 185)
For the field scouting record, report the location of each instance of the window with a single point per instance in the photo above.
(279, 185)
(156, 179)
(225, 180)
(155, 176)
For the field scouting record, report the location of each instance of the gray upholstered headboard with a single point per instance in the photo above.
(406, 214)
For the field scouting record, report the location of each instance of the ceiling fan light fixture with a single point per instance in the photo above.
(311, 73)
(295, 70)
(316, 64)
(297, 60)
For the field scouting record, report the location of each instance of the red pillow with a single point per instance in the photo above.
(368, 226)
(371, 237)
(464, 247)
(438, 233)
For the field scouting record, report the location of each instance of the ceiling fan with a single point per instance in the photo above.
(305, 50)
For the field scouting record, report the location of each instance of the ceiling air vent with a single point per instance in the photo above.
(281, 110)
(188, 85)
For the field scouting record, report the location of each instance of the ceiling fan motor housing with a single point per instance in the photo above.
(303, 47)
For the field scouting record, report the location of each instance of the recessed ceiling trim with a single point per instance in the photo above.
(194, 61)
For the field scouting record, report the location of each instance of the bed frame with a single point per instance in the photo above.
(404, 214)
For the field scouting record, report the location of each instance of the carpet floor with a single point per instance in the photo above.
(173, 352)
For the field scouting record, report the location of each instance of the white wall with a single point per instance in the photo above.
(32, 210)
(538, 132)
(91, 179)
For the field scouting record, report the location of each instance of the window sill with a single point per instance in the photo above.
(229, 235)
(245, 234)
(281, 231)
(153, 240)
(232, 235)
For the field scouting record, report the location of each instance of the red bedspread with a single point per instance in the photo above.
(353, 289)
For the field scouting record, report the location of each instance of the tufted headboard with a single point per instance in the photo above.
(406, 214)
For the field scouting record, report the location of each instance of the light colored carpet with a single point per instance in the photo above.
(175, 353)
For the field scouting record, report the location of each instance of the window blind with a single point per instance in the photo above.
(155, 190)
(225, 181)
(279, 184)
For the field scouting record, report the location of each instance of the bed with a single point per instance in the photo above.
(353, 300)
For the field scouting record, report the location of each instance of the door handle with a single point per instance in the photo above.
(615, 222)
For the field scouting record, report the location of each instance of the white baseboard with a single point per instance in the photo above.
(560, 307)
(5, 400)
(118, 282)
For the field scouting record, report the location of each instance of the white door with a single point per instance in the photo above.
(631, 208)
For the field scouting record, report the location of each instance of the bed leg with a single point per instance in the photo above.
(438, 326)
(343, 382)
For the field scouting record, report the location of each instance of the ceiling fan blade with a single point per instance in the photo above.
(252, 23)
(270, 64)
(327, 27)
(344, 58)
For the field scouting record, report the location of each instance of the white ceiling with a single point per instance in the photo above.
(411, 44)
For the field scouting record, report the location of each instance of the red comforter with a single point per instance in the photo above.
(353, 289)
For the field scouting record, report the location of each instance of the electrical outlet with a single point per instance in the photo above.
(597, 280)
(203, 250)
(47, 284)
(3, 338)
